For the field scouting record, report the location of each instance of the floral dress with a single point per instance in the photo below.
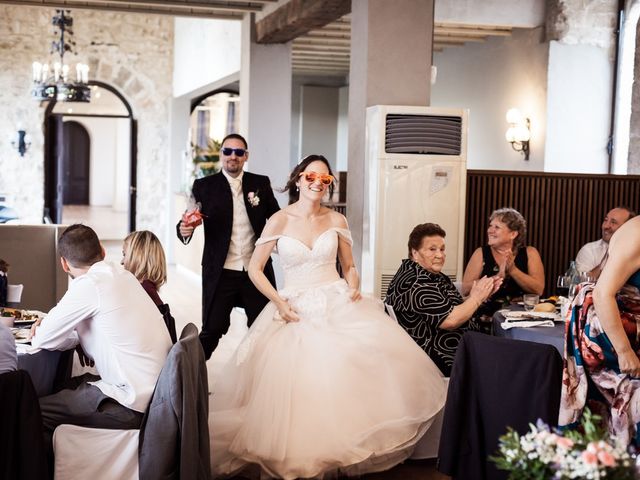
(591, 375)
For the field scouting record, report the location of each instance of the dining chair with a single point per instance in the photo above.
(173, 440)
(22, 453)
(14, 293)
(495, 383)
(390, 312)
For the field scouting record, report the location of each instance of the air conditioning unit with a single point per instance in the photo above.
(416, 167)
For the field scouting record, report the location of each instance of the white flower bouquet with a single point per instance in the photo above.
(585, 453)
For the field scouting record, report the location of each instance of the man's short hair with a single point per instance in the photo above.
(79, 246)
(624, 207)
(236, 136)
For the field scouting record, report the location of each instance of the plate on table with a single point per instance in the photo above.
(21, 335)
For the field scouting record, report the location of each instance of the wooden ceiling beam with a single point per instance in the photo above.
(298, 17)
(125, 8)
(458, 38)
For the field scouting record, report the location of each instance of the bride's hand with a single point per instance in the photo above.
(354, 294)
(286, 313)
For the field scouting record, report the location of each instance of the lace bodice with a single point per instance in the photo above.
(306, 267)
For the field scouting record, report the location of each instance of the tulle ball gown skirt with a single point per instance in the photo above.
(345, 391)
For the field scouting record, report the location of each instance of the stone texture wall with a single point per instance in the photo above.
(131, 52)
(586, 23)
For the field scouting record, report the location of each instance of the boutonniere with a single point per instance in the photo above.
(253, 198)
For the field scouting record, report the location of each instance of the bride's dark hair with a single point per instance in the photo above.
(294, 194)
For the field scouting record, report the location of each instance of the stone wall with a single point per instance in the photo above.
(586, 23)
(131, 52)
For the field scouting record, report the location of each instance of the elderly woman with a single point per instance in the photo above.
(507, 256)
(427, 304)
(602, 367)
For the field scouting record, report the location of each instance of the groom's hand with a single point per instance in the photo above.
(186, 231)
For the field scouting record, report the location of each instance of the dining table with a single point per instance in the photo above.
(48, 369)
(549, 335)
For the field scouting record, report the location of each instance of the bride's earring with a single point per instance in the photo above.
(297, 188)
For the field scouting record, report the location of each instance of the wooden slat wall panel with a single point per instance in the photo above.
(563, 211)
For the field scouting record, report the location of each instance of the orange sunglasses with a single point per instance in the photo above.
(311, 177)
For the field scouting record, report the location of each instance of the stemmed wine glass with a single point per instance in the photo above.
(563, 285)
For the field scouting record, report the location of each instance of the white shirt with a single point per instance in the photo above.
(243, 238)
(591, 255)
(118, 325)
(8, 355)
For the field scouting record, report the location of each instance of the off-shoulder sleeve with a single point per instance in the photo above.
(344, 233)
(262, 240)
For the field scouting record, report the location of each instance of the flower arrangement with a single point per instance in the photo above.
(206, 160)
(586, 452)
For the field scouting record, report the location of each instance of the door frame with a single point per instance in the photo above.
(53, 151)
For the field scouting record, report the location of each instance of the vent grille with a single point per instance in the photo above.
(423, 134)
(384, 284)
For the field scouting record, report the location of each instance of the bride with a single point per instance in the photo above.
(324, 382)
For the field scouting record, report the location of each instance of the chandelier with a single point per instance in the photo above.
(55, 81)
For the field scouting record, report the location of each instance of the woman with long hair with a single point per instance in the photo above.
(143, 255)
(324, 382)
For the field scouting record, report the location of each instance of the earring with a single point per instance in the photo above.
(297, 188)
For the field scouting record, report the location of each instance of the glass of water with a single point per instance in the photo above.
(530, 300)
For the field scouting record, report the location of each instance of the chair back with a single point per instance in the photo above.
(22, 454)
(390, 311)
(14, 293)
(495, 383)
(174, 436)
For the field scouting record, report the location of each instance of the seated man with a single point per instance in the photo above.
(592, 255)
(108, 313)
(8, 355)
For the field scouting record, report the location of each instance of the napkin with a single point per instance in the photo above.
(525, 319)
(506, 325)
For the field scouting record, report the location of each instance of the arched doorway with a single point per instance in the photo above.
(214, 115)
(109, 167)
(76, 164)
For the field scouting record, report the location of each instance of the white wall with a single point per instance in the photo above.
(342, 140)
(109, 164)
(102, 133)
(205, 51)
(318, 122)
(579, 108)
(490, 78)
(123, 154)
(517, 13)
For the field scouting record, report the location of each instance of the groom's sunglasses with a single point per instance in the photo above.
(311, 177)
(238, 151)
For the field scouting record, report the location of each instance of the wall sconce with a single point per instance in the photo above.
(22, 142)
(519, 132)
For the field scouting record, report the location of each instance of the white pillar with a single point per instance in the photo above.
(265, 106)
(391, 56)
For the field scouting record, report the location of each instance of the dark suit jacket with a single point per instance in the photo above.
(214, 194)
(495, 383)
(174, 436)
(22, 454)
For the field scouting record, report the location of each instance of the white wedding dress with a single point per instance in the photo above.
(343, 391)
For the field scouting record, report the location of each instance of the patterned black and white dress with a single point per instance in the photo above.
(422, 300)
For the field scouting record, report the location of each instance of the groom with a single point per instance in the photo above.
(235, 207)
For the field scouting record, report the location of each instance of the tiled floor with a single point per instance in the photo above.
(108, 223)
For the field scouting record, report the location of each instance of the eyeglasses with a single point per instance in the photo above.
(311, 177)
(238, 151)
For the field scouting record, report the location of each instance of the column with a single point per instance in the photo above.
(391, 56)
(265, 106)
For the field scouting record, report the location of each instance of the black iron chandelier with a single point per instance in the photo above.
(56, 81)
